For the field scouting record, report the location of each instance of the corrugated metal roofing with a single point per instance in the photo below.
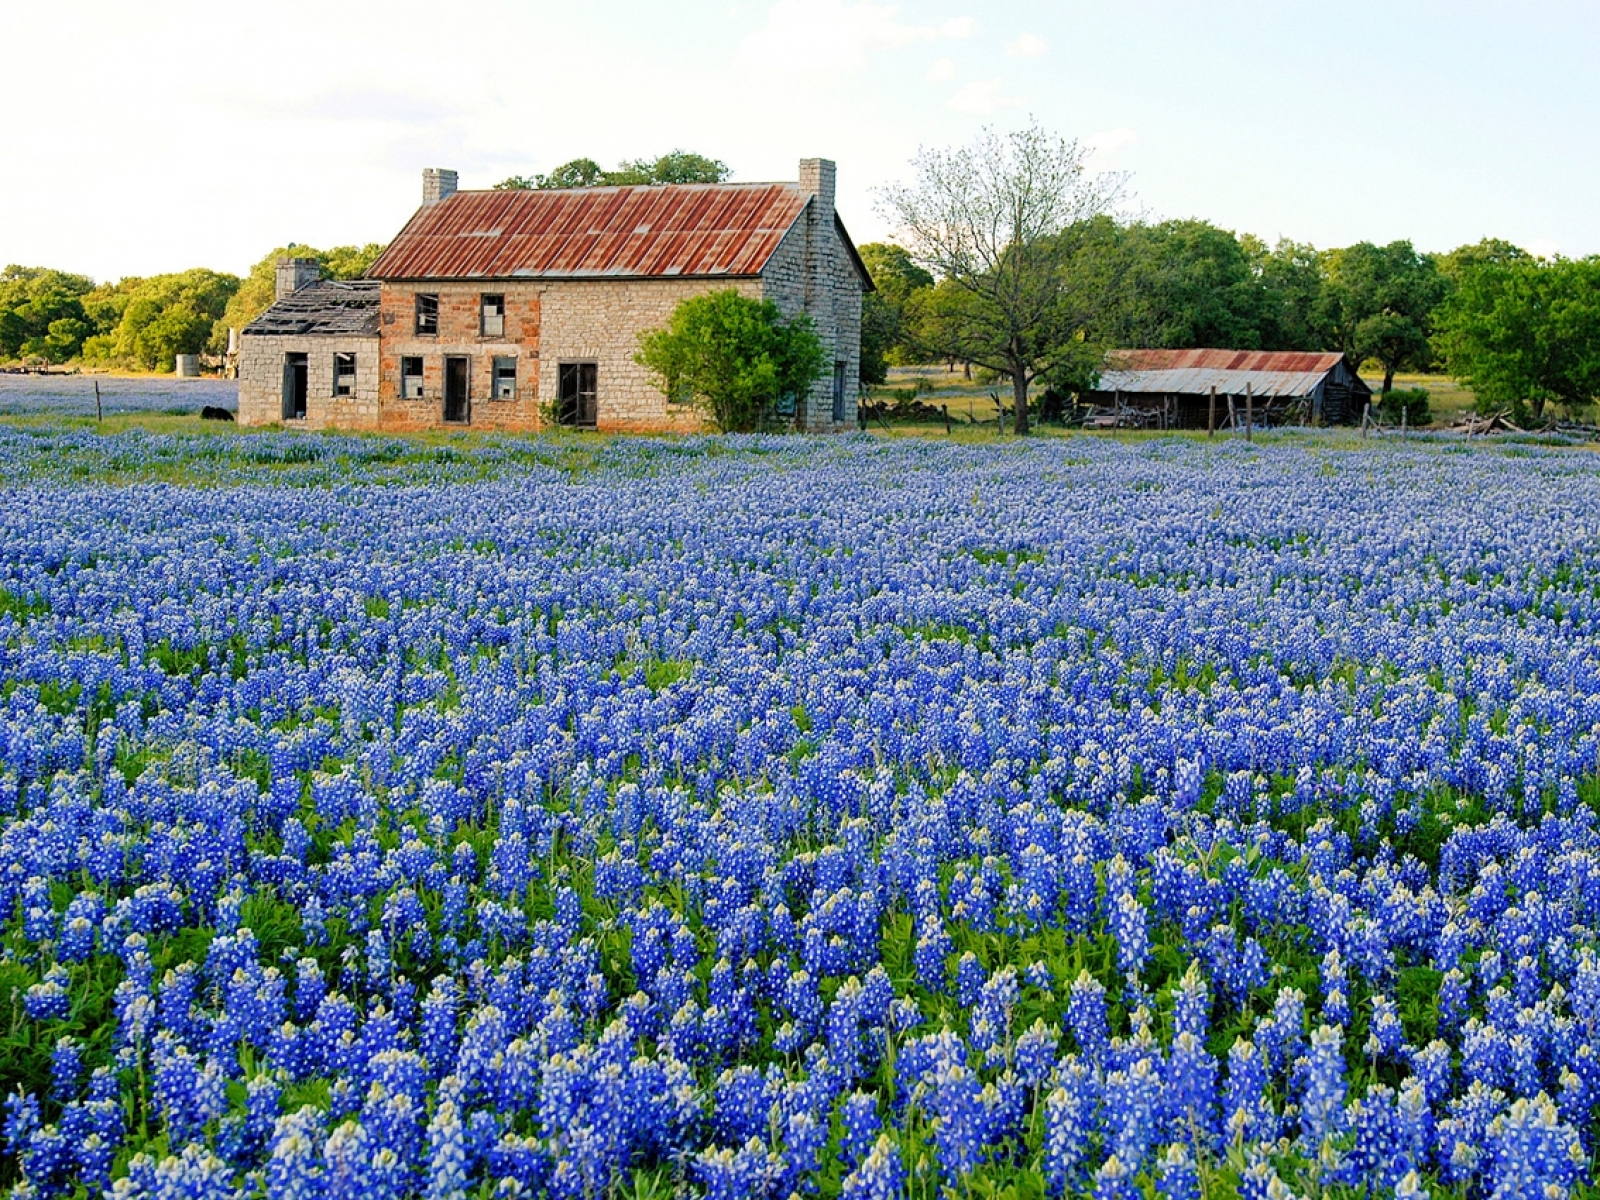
(1196, 372)
(329, 308)
(726, 229)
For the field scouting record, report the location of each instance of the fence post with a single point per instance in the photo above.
(1249, 412)
(1211, 413)
(99, 413)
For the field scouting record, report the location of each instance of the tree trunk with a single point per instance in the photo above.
(1019, 400)
(1388, 381)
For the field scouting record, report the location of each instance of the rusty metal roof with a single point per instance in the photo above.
(1196, 372)
(327, 308)
(723, 229)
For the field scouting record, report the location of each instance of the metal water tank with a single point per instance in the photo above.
(188, 366)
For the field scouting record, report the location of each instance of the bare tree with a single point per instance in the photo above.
(995, 221)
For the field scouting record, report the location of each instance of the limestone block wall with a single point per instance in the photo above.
(460, 334)
(261, 362)
(600, 321)
(811, 272)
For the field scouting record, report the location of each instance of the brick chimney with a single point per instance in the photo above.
(816, 179)
(294, 274)
(437, 184)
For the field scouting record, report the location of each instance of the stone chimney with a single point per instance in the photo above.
(816, 179)
(294, 274)
(437, 184)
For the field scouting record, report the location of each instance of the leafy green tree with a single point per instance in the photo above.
(1523, 333)
(147, 322)
(1184, 284)
(1379, 303)
(1291, 279)
(999, 222)
(734, 357)
(679, 166)
(42, 314)
(256, 292)
(888, 312)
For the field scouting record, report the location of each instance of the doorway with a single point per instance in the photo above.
(577, 399)
(457, 407)
(294, 387)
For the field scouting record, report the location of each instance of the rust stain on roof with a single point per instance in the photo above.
(582, 233)
(1189, 372)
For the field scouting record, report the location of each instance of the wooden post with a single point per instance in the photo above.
(1249, 412)
(99, 413)
(1211, 413)
(1402, 422)
(1366, 417)
(945, 409)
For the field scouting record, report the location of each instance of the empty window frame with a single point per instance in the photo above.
(427, 314)
(344, 374)
(577, 395)
(505, 379)
(411, 378)
(839, 370)
(492, 318)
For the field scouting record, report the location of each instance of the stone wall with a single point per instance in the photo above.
(460, 335)
(812, 272)
(600, 321)
(261, 361)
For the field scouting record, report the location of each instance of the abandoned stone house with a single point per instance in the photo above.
(507, 309)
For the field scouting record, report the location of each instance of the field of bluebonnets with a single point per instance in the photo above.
(73, 395)
(776, 817)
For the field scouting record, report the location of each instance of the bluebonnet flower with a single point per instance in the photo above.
(880, 1175)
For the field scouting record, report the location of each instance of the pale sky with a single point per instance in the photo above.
(153, 135)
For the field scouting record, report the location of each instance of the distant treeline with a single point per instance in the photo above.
(1188, 284)
(52, 316)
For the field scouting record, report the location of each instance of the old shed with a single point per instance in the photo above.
(1173, 389)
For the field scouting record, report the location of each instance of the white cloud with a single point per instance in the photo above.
(1029, 45)
(834, 36)
(1108, 141)
(982, 96)
(942, 71)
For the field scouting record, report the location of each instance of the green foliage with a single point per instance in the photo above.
(888, 313)
(734, 356)
(1522, 333)
(1001, 222)
(146, 322)
(678, 166)
(256, 292)
(1182, 284)
(1413, 402)
(1379, 301)
(42, 314)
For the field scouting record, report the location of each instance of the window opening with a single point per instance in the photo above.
(494, 316)
(411, 378)
(505, 379)
(577, 398)
(344, 374)
(839, 369)
(427, 314)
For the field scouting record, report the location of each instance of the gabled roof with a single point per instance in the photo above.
(722, 229)
(328, 308)
(1192, 372)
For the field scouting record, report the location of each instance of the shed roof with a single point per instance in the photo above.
(328, 308)
(1194, 372)
(722, 229)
